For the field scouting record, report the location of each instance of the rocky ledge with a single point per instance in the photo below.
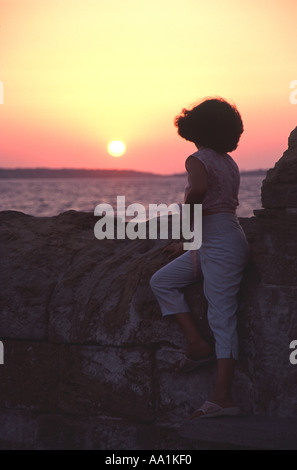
(88, 358)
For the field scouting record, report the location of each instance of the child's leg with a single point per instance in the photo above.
(197, 347)
(222, 280)
(221, 287)
(166, 285)
(168, 281)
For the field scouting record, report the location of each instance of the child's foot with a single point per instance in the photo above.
(210, 410)
(188, 365)
(198, 351)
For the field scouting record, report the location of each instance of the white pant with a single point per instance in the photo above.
(220, 262)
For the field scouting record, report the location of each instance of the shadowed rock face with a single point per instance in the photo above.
(88, 358)
(279, 189)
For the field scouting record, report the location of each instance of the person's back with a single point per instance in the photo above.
(223, 181)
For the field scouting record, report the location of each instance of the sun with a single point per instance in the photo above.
(116, 148)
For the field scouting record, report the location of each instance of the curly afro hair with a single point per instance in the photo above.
(214, 124)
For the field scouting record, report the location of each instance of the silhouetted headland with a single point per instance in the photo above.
(22, 173)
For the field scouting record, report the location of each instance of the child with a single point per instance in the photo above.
(215, 127)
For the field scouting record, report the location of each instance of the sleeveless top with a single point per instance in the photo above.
(223, 181)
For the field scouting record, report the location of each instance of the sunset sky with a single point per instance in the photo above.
(78, 74)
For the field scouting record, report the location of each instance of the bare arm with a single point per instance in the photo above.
(199, 182)
(199, 186)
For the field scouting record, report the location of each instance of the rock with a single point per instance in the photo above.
(178, 392)
(83, 333)
(245, 432)
(29, 376)
(279, 188)
(106, 381)
(22, 430)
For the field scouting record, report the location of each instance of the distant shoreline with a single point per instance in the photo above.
(27, 173)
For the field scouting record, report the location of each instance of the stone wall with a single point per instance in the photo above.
(88, 358)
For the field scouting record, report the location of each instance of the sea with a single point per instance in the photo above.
(46, 197)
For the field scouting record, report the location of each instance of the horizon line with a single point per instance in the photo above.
(260, 170)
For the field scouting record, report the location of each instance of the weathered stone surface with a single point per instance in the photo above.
(18, 430)
(59, 281)
(100, 296)
(23, 301)
(109, 303)
(279, 188)
(21, 430)
(112, 382)
(245, 432)
(273, 248)
(29, 376)
(270, 328)
(179, 393)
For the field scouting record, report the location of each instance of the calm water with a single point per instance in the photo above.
(48, 197)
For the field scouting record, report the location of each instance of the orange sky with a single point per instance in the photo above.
(80, 73)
